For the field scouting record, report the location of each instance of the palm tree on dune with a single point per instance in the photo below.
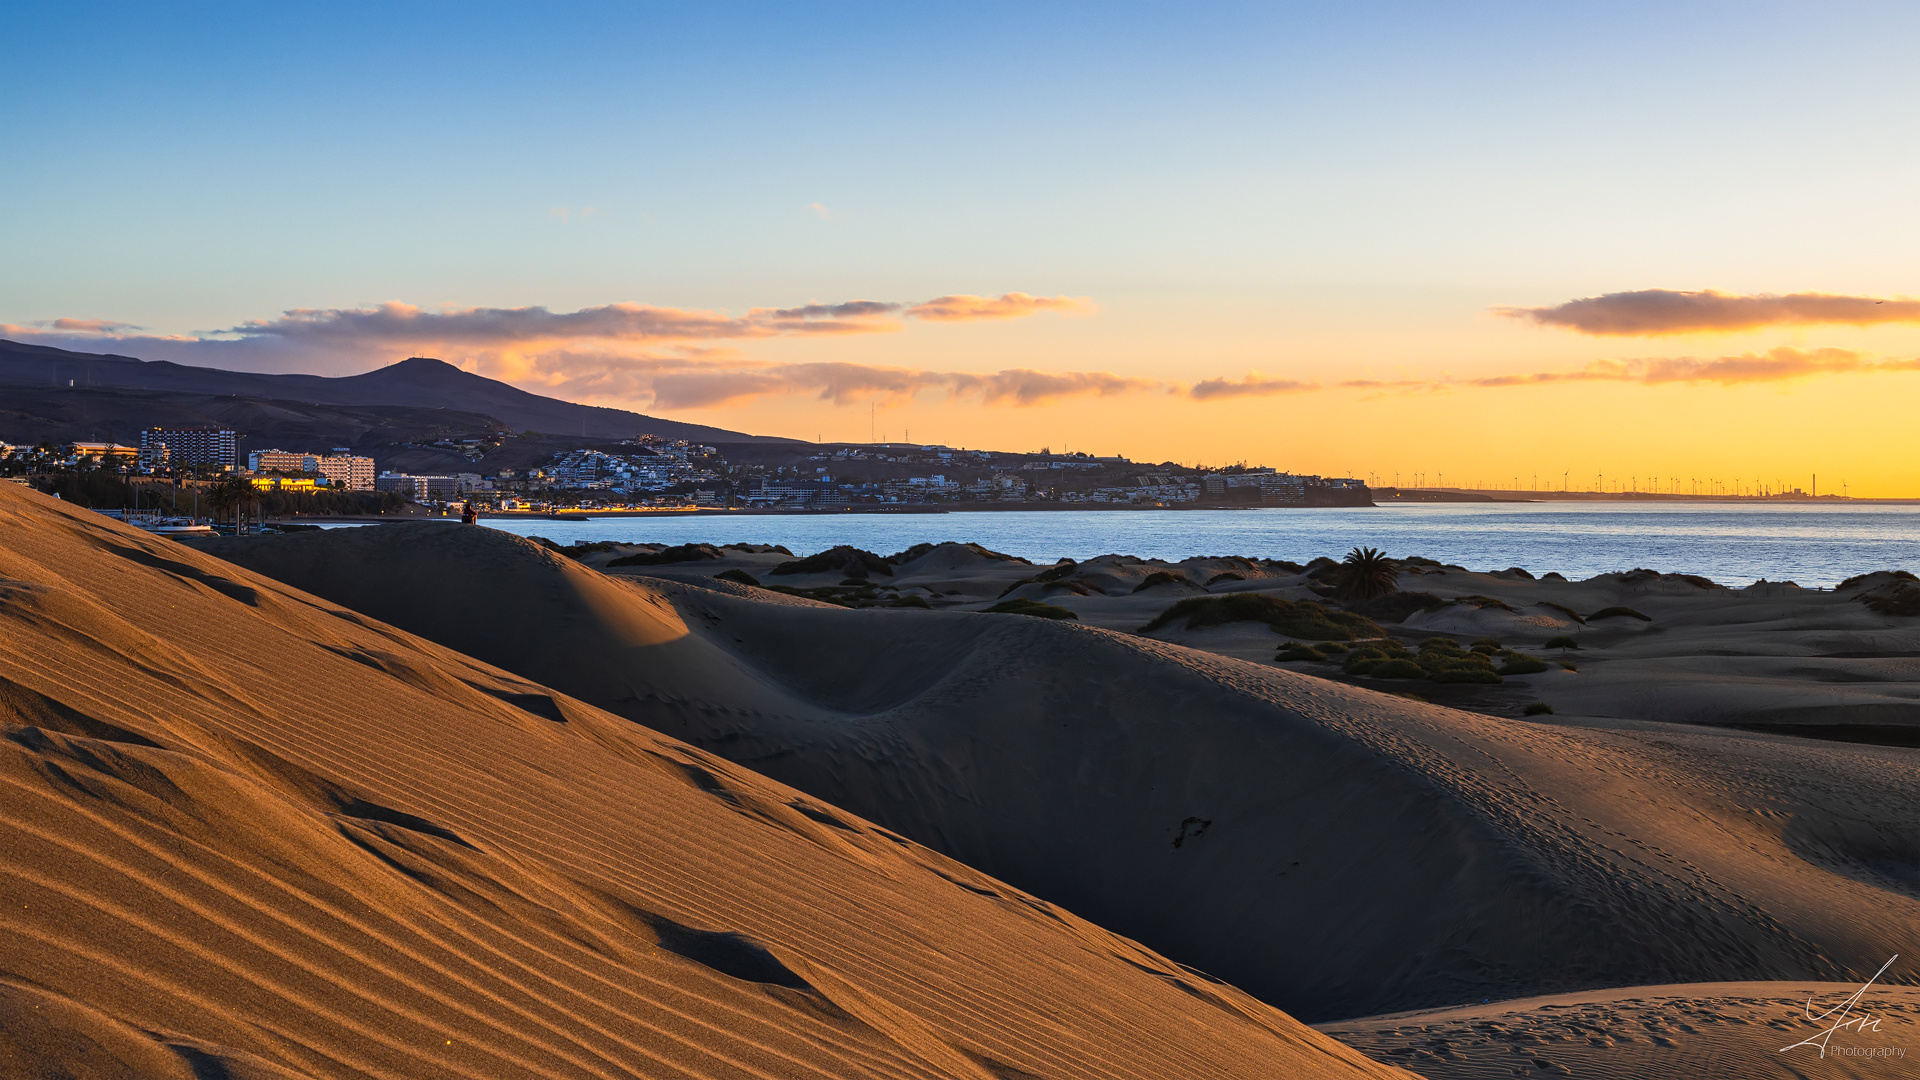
(1367, 573)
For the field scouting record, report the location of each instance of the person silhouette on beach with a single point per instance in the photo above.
(468, 515)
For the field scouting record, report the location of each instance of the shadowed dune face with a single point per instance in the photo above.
(249, 833)
(1336, 851)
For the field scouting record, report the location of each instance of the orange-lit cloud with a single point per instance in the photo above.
(964, 308)
(1251, 386)
(90, 326)
(1653, 312)
(842, 384)
(1771, 366)
(1775, 365)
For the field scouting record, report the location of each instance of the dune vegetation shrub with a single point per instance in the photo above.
(1522, 664)
(912, 601)
(1330, 647)
(1564, 610)
(739, 575)
(1858, 580)
(851, 561)
(1396, 668)
(1366, 573)
(1364, 657)
(1396, 606)
(1560, 642)
(1465, 673)
(1493, 643)
(1904, 600)
(1294, 650)
(1023, 606)
(1553, 575)
(1444, 661)
(918, 550)
(1618, 612)
(1537, 708)
(1298, 619)
(1162, 577)
(1484, 602)
(1228, 576)
(1568, 665)
(679, 553)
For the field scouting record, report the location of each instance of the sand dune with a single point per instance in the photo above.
(1336, 851)
(252, 834)
(1710, 1031)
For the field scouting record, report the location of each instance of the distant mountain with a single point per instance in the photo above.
(418, 383)
(31, 415)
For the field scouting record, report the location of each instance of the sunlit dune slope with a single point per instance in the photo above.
(1336, 851)
(247, 833)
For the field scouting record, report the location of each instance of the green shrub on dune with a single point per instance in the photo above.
(1522, 664)
(738, 575)
(1902, 599)
(1304, 619)
(1035, 608)
(1465, 673)
(1397, 669)
(849, 560)
(1537, 708)
(1294, 650)
(1396, 606)
(679, 553)
(1561, 642)
(1618, 612)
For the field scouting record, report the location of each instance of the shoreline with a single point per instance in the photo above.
(920, 509)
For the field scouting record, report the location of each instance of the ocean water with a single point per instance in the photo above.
(1734, 544)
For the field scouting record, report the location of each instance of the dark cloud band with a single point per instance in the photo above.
(1652, 312)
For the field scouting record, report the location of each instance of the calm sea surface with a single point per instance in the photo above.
(1733, 544)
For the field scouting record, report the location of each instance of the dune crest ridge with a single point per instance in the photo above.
(1336, 851)
(254, 834)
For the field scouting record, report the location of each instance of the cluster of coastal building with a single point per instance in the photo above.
(650, 471)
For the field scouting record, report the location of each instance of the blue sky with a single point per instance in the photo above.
(1311, 190)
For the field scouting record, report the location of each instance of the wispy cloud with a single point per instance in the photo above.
(89, 326)
(842, 384)
(962, 308)
(1253, 385)
(1774, 365)
(396, 323)
(1653, 312)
